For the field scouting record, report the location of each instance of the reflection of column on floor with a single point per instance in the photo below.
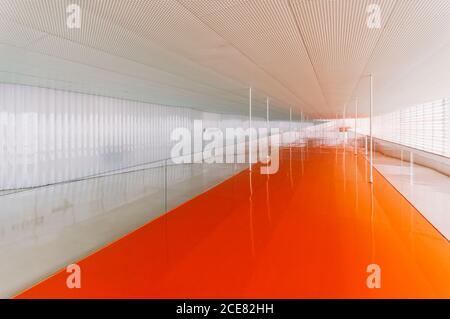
(301, 160)
(252, 235)
(372, 224)
(356, 183)
(307, 234)
(290, 166)
(268, 199)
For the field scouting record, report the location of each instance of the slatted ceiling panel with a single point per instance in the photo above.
(237, 66)
(150, 95)
(205, 7)
(165, 22)
(420, 28)
(17, 35)
(424, 83)
(239, 20)
(99, 34)
(265, 32)
(339, 42)
(82, 54)
(172, 39)
(243, 70)
(411, 60)
(40, 15)
(99, 27)
(128, 88)
(225, 45)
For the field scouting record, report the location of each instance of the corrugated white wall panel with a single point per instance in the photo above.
(49, 136)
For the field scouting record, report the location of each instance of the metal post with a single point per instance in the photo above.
(290, 146)
(307, 141)
(301, 130)
(336, 133)
(356, 135)
(268, 129)
(371, 129)
(165, 186)
(250, 128)
(344, 115)
(290, 127)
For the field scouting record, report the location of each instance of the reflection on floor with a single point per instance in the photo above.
(44, 229)
(310, 231)
(425, 188)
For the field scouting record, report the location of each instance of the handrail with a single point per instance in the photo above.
(129, 169)
(427, 154)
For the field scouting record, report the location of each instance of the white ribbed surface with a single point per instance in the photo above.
(424, 127)
(412, 58)
(49, 136)
(204, 54)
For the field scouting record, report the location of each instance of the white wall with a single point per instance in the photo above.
(49, 136)
(424, 127)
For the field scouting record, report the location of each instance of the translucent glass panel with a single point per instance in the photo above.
(425, 127)
(49, 136)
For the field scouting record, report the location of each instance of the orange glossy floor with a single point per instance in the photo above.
(307, 232)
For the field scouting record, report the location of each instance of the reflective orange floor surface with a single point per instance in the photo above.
(309, 231)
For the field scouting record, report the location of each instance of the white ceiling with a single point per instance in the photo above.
(310, 55)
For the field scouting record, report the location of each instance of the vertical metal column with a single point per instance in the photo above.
(290, 126)
(290, 147)
(268, 129)
(371, 129)
(250, 128)
(300, 131)
(356, 120)
(165, 186)
(344, 115)
(307, 140)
